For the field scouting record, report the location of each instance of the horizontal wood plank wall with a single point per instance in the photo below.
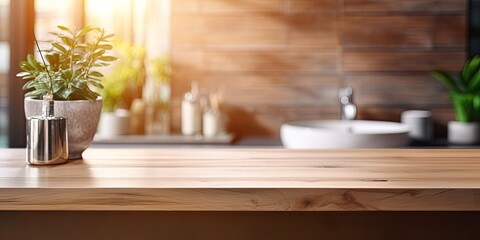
(284, 60)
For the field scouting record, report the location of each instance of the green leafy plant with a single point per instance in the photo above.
(161, 69)
(157, 89)
(126, 79)
(464, 89)
(71, 63)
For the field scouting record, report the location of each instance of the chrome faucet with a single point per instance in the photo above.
(348, 110)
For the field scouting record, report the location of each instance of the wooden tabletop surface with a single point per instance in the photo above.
(245, 180)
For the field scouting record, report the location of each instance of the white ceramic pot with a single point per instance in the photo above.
(463, 133)
(114, 123)
(420, 125)
(82, 120)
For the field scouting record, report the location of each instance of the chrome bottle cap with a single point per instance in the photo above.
(47, 136)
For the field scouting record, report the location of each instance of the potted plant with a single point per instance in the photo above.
(122, 86)
(465, 95)
(70, 75)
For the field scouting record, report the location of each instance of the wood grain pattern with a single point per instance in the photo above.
(411, 90)
(240, 6)
(405, 5)
(246, 180)
(318, 89)
(311, 5)
(237, 43)
(387, 31)
(409, 61)
(304, 61)
(450, 31)
(186, 6)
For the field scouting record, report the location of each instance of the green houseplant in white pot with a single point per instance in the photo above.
(70, 75)
(464, 91)
(121, 88)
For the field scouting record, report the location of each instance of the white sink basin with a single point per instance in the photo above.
(344, 134)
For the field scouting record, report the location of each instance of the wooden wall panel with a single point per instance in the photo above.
(185, 6)
(228, 39)
(265, 121)
(241, 6)
(410, 61)
(410, 91)
(311, 5)
(284, 60)
(276, 90)
(412, 6)
(450, 31)
(387, 31)
(301, 60)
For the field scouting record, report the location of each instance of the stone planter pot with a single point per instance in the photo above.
(82, 119)
(462, 133)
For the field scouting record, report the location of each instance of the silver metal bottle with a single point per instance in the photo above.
(47, 136)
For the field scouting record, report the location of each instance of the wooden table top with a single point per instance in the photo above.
(245, 180)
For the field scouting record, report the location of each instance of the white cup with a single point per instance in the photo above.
(420, 125)
(114, 123)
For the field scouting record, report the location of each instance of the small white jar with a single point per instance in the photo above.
(463, 133)
(212, 123)
(114, 123)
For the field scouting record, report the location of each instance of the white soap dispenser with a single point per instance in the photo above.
(191, 113)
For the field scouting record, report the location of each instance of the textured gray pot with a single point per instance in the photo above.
(82, 119)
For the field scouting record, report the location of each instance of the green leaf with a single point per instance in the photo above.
(84, 31)
(37, 93)
(65, 93)
(94, 79)
(461, 107)
(67, 40)
(28, 85)
(81, 46)
(63, 28)
(474, 83)
(105, 46)
(66, 74)
(470, 68)
(445, 79)
(476, 108)
(25, 66)
(95, 74)
(101, 64)
(79, 84)
(24, 74)
(98, 53)
(108, 58)
(31, 60)
(108, 36)
(96, 84)
(55, 34)
(59, 47)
